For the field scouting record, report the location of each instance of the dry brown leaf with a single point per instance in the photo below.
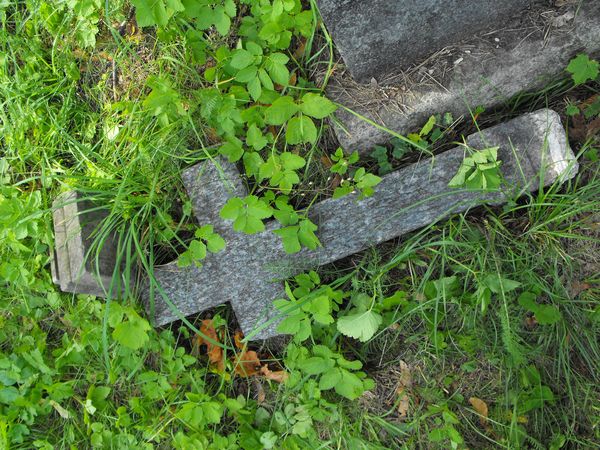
(299, 52)
(237, 339)
(481, 408)
(336, 180)
(214, 352)
(326, 161)
(279, 375)
(403, 389)
(247, 364)
(293, 79)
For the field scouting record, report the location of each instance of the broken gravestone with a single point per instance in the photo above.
(533, 149)
(249, 273)
(378, 36)
(408, 60)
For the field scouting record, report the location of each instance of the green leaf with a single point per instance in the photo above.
(247, 214)
(132, 333)
(221, 20)
(307, 236)
(361, 326)
(155, 12)
(254, 88)
(330, 379)
(241, 58)
(427, 127)
(316, 106)
(547, 314)
(349, 386)
(301, 130)
(316, 365)
(289, 236)
(247, 74)
(497, 284)
(232, 150)
(265, 79)
(583, 69)
(280, 111)
(255, 138)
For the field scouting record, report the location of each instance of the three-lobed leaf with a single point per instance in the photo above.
(583, 69)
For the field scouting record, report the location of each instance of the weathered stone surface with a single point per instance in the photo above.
(381, 36)
(75, 266)
(486, 71)
(249, 272)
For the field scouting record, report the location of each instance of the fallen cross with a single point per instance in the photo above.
(533, 149)
(406, 62)
(249, 272)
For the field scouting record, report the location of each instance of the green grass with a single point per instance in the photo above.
(83, 372)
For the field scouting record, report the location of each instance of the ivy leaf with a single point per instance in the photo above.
(361, 326)
(583, 69)
(132, 333)
(280, 111)
(301, 130)
(247, 213)
(316, 106)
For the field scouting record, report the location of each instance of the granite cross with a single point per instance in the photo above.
(533, 149)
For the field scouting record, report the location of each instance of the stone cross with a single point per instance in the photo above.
(249, 272)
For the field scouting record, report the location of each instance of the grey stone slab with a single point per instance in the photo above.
(76, 267)
(486, 71)
(248, 273)
(382, 36)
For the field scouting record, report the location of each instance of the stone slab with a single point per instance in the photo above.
(484, 72)
(75, 266)
(376, 37)
(533, 150)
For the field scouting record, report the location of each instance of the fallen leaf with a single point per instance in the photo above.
(299, 52)
(293, 79)
(326, 161)
(578, 287)
(404, 386)
(237, 339)
(247, 364)
(214, 352)
(481, 408)
(279, 375)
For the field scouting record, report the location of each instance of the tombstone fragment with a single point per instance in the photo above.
(492, 51)
(75, 266)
